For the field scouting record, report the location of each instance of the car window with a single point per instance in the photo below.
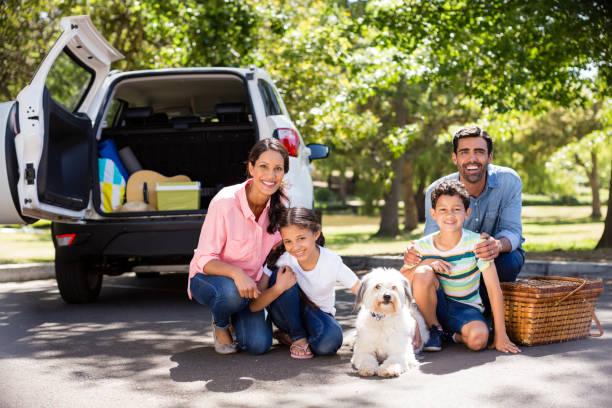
(68, 81)
(111, 114)
(281, 106)
(269, 98)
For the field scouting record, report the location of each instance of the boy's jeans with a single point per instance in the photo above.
(292, 315)
(253, 329)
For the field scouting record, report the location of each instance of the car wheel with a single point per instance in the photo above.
(77, 282)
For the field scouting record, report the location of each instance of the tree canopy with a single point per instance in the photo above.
(384, 82)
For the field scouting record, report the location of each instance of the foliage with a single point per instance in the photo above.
(383, 82)
(507, 54)
(150, 34)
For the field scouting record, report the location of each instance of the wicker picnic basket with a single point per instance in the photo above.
(550, 309)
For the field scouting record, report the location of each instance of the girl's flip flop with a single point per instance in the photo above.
(300, 352)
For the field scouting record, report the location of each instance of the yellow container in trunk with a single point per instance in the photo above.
(178, 196)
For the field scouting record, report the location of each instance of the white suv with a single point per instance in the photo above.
(197, 122)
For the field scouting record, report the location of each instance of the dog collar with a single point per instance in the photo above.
(377, 316)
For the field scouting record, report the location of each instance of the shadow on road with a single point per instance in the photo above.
(237, 372)
(148, 330)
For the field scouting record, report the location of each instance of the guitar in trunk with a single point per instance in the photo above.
(141, 185)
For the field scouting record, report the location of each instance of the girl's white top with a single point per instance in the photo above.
(319, 283)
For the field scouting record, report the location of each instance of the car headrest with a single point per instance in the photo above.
(144, 112)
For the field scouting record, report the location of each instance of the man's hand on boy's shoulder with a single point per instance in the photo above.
(489, 248)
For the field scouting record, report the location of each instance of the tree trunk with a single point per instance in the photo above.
(389, 225)
(411, 219)
(606, 237)
(419, 196)
(594, 183)
(342, 189)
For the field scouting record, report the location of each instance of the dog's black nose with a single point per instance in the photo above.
(386, 297)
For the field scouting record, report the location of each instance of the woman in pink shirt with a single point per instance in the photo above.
(239, 230)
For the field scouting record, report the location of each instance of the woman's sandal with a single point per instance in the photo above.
(301, 352)
(223, 348)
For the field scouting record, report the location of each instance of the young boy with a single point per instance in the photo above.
(446, 282)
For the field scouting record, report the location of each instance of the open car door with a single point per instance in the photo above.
(47, 136)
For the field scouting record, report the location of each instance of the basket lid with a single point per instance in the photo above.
(550, 285)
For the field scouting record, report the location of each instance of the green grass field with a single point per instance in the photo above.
(25, 245)
(546, 228)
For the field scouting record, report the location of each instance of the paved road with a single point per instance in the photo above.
(144, 344)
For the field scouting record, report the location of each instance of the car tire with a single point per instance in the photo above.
(77, 282)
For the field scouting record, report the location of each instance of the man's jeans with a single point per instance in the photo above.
(253, 329)
(508, 267)
(292, 315)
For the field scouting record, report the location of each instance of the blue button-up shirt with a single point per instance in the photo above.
(496, 211)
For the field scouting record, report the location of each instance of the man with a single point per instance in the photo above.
(495, 202)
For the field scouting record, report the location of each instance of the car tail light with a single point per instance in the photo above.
(290, 139)
(64, 239)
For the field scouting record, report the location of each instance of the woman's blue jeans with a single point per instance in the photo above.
(253, 329)
(292, 315)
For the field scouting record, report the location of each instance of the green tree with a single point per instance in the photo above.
(150, 34)
(507, 54)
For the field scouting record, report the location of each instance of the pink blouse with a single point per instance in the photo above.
(232, 235)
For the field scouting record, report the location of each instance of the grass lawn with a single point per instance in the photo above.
(546, 229)
(25, 245)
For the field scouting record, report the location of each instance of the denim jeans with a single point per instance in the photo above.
(253, 329)
(508, 267)
(292, 315)
(453, 315)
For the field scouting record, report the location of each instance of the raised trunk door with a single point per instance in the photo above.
(54, 148)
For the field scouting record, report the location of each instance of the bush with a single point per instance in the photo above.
(323, 194)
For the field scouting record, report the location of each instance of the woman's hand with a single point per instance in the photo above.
(246, 285)
(285, 278)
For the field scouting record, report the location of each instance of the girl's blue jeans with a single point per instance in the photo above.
(253, 329)
(292, 315)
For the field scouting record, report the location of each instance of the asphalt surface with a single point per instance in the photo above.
(145, 344)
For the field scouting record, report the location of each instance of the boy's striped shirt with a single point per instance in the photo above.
(463, 281)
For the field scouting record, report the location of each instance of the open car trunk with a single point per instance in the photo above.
(160, 127)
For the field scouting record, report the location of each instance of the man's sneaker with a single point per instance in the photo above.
(435, 339)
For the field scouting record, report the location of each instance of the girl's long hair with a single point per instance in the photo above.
(276, 200)
(301, 217)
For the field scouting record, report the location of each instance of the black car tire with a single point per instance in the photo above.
(77, 282)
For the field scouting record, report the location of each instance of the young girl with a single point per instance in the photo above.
(304, 314)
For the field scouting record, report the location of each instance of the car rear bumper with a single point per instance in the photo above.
(142, 241)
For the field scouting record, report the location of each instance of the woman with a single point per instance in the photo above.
(238, 232)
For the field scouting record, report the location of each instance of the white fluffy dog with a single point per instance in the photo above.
(385, 325)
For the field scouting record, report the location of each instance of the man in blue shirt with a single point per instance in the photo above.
(495, 202)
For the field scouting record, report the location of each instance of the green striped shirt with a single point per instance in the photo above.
(463, 281)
